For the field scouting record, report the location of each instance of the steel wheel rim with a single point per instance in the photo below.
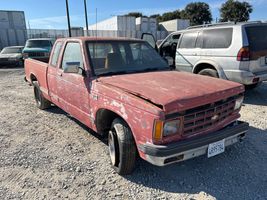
(112, 150)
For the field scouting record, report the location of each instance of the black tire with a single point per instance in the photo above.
(122, 147)
(252, 86)
(41, 102)
(209, 72)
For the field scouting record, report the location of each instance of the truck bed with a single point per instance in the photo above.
(37, 70)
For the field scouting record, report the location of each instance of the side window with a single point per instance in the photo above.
(55, 54)
(217, 38)
(188, 40)
(72, 53)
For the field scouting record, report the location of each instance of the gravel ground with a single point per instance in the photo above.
(49, 155)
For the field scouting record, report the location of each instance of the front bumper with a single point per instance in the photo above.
(245, 77)
(162, 155)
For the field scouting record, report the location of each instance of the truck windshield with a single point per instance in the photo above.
(11, 50)
(119, 57)
(38, 43)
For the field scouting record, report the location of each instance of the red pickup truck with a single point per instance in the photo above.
(122, 89)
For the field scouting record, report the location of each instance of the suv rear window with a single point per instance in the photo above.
(257, 37)
(188, 40)
(217, 38)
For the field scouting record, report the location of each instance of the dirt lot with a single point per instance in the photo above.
(49, 155)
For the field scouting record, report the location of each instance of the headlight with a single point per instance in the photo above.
(46, 54)
(239, 103)
(169, 128)
(25, 55)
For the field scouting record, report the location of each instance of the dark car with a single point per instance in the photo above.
(12, 56)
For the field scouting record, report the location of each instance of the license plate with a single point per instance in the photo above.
(216, 148)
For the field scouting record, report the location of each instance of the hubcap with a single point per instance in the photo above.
(112, 150)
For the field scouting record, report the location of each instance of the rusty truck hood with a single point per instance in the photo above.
(174, 91)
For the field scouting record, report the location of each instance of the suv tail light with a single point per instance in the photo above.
(243, 54)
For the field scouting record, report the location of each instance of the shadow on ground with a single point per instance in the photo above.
(257, 96)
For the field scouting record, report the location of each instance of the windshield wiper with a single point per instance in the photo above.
(113, 73)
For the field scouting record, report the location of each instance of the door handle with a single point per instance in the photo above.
(59, 74)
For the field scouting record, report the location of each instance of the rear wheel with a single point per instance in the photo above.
(41, 102)
(209, 72)
(122, 149)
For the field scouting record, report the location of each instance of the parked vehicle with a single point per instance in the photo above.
(38, 49)
(11, 56)
(121, 88)
(231, 51)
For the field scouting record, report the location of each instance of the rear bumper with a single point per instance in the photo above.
(245, 77)
(161, 155)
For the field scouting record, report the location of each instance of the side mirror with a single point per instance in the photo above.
(72, 67)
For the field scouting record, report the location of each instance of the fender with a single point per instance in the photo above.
(214, 64)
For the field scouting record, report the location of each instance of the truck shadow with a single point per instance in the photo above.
(257, 96)
(239, 173)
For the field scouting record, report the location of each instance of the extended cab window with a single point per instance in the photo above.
(188, 40)
(55, 54)
(72, 53)
(217, 38)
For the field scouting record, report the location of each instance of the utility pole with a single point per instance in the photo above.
(68, 17)
(86, 17)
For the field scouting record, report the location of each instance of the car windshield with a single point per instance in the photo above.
(38, 43)
(119, 57)
(11, 50)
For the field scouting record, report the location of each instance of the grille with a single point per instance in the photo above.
(208, 116)
(36, 54)
(3, 59)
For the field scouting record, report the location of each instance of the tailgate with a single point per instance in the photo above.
(257, 38)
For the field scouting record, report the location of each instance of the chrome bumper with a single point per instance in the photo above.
(161, 155)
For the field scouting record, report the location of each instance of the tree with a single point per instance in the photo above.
(235, 11)
(135, 14)
(198, 13)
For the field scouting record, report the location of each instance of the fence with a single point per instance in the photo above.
(12, 37)
(49, 33)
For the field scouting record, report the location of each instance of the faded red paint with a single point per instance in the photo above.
(139, 99)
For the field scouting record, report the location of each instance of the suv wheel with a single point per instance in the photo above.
(122, 149)
(209, 72)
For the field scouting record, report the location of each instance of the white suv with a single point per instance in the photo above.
(232, 51)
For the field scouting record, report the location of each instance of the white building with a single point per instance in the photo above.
(116, 23)
(174, 25)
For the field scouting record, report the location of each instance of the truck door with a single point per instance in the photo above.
(73, 88)
(52, 72)
(187, 54)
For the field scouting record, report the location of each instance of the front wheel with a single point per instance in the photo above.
(41, 102)
(122, 149)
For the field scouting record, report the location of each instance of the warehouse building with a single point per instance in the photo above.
(12, 28)
(174, 25)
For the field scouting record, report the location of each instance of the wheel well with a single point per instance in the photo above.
(202, 66)
(33, 78)
(104, 119)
